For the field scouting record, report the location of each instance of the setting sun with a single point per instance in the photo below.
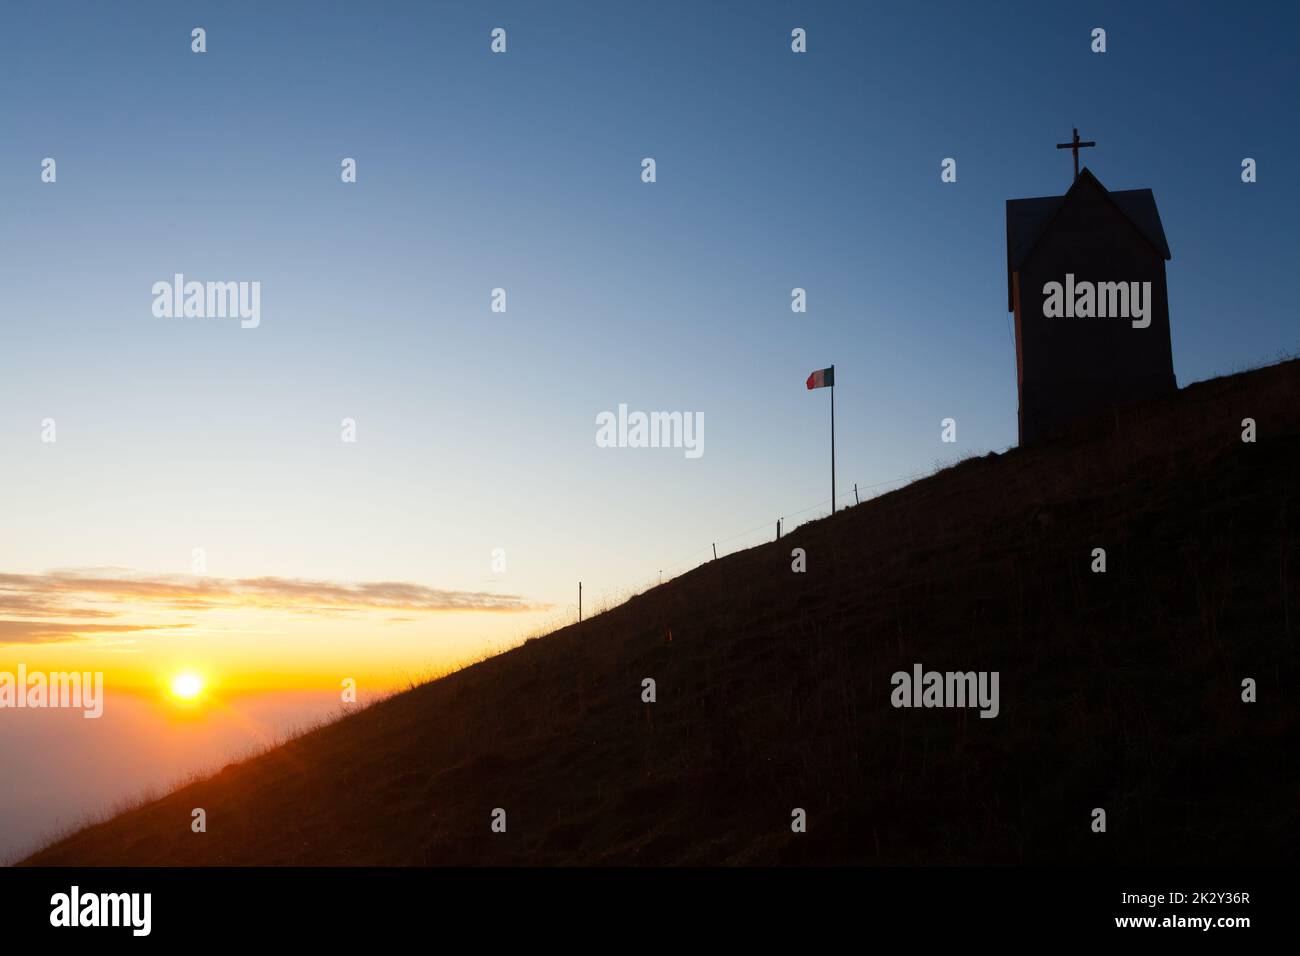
(187, 686)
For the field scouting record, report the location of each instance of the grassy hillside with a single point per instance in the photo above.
(1119, 690)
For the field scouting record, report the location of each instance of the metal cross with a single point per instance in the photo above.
(1075, 145)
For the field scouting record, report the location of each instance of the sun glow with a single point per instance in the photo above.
(187, 686)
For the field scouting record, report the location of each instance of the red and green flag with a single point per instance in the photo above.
(822, 378)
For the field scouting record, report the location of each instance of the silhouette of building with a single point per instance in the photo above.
(1090, 239)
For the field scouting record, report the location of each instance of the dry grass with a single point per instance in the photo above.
(1119, 690)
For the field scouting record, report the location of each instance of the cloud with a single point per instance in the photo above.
(35, 605)
(40, 632)
(81, 593)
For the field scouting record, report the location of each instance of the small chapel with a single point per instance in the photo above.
(1086, 284)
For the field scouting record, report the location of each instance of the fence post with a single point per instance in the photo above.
(855, 494)
(579, 600)
(715, 551)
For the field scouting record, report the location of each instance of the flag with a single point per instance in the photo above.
(822, 378)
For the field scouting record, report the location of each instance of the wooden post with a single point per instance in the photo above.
(778, 529)
(855, 494)
(715, 551)
(579, 600)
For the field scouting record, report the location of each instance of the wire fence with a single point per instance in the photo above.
(767, 531)
(769, 528)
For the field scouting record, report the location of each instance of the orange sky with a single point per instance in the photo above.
(251, 634)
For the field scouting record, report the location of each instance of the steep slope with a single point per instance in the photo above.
(1119, 690)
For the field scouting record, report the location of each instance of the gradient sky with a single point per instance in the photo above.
(476, 430)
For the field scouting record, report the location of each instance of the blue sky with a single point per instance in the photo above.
(522, 171)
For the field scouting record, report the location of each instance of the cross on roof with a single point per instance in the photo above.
(1075, 145)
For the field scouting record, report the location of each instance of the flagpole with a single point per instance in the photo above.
(832, 439)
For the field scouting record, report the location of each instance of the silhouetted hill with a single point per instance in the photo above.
(1119, 690)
